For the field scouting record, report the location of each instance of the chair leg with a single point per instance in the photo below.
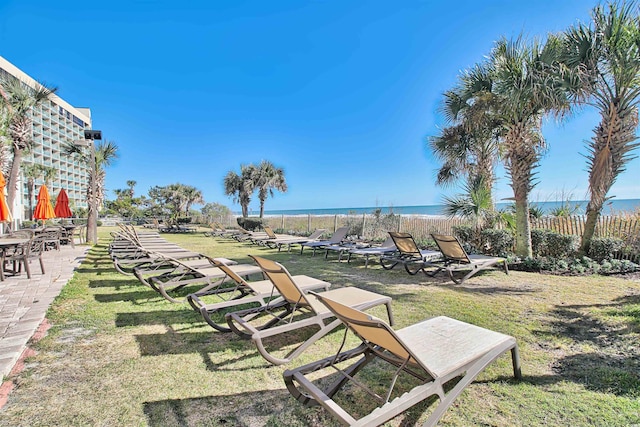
(25, 261)
(41, 263)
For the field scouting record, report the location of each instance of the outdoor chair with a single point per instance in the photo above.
(25, 233)
(178, 274)
(51, 237)
(294, 311)
(456, 258)
(21, 255)
(66, 236)
(297, 240)
(434, 352)
(338, 236)
(408, 254)
(387, 247)
(269, 237)
(244, 293)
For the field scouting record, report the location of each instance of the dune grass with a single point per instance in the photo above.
(118, 354)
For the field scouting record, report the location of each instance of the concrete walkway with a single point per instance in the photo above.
(24, 302)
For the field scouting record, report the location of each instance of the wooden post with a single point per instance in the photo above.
(364, 223)
(335, 223)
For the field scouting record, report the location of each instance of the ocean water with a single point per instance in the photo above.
(611, 207)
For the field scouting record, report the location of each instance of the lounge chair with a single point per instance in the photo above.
(456, 258)
(296, 311)
(344, 247)
(178, 274)
(409, 255)
(270, 237)
(290, 241)
(338, 236)
(256, 292)
(386, 248)
(435, 352)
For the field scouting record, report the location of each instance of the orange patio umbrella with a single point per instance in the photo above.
(43, 209)
(62, 205)
(5, 214)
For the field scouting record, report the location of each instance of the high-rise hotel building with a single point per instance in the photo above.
(55, 123)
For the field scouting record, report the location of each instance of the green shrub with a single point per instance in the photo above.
(497, 242)
(532, 264)
(548, 243)
(250, 224)
(465, 233)
(560, 245)
(467, 236)
(539, 241)
(602, 248)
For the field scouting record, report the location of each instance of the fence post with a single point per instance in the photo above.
(364, 223)
(308, 223)
(399, 223)
(282, 222)
(335, 223)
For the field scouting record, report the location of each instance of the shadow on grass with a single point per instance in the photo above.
(135, 297)
(273, 407)
(604, 337)
(158, 317)
(237, 410)
(596, 372)
(114, 284)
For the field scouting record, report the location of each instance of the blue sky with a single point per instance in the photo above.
(339, 94)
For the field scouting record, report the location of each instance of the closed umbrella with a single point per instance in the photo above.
(43, 210)
(62, 205)
(5, 214)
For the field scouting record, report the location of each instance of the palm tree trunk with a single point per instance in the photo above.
(12, 187)
(521, 158)
(261, 208)
(92, 214)
(523, 227)
(609, 153)
(30, 194)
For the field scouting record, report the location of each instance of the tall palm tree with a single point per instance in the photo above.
(131, 184)
(266, 178)
(605, 55)
(105, 153)
(20, 99)
(31, 173)
(240, 187)
(523, 79)
(191, 195)
(469, 147)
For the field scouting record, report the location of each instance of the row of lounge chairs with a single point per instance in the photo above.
(444, 355)
(397, 249)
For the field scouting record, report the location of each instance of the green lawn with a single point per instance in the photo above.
(118, 354)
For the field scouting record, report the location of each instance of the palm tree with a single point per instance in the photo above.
(469, 147)
(131, 184)
(523, 81)
(476, 204)
(605, 55)
(266, 177)
(31, 172)
(20, 99)
(240, 187)
(105, 153)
